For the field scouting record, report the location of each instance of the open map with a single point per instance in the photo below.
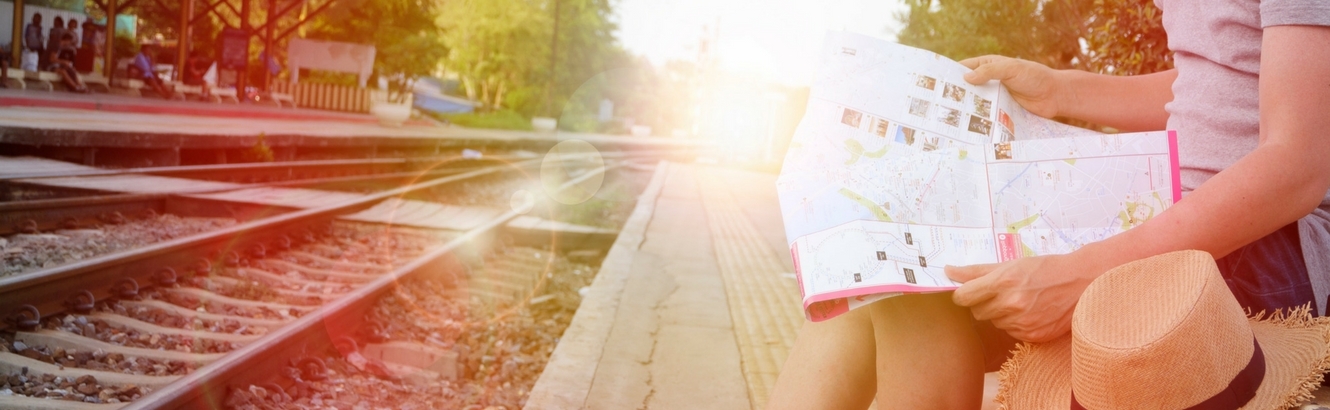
(900, 167)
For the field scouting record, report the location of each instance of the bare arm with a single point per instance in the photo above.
(1128, 103)
(1283, 179)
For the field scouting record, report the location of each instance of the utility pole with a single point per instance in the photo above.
(554, 56)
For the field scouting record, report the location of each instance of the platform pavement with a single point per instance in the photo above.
(694, 307)
(77, 121)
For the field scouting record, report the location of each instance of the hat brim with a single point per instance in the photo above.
(1297, 353)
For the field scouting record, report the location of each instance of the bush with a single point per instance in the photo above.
(502, 120)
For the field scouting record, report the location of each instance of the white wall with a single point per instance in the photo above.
(124, 23)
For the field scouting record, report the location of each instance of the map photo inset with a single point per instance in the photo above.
(851, 118)
(919, 107)
(949, 116)
(980, 125)
(982, 106)
(953, 92)
(926, 82)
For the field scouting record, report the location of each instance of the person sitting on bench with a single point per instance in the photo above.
(141, 69)
(62, 62)
(195, 69)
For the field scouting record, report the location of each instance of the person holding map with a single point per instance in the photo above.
(1247, 99)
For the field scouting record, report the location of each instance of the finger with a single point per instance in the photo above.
(968, 273)
(999, 69)
(975, 62)
(993, 309)
(975, 291)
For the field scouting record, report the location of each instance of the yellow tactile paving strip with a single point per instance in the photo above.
(764, 304)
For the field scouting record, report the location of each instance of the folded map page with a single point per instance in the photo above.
(900, 168)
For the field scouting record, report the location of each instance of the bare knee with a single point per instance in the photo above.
(928, 353)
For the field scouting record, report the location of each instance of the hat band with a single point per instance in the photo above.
(1239, 391)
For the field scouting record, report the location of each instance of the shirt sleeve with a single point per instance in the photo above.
(141, 62)
(1295, 12)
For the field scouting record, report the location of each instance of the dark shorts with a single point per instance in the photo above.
(1265, 275)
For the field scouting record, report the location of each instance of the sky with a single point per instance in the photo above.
(776, 40)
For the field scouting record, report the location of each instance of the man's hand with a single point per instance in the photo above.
(1034, 86)
(1031, 298)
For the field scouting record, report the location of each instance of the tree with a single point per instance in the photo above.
(495, 46)
(501, 50)
(1122, 37)
(407, 42)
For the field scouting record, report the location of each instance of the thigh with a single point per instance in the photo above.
(1269, 274)
(929, 354)
(829, 367)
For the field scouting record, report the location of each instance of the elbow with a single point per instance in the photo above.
(1310, 193)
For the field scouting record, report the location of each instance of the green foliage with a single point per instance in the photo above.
(1120, 36)
(1126, 37)
(501, 51)
(496, 46)
(500, 119)
(408, 44)
(259, 152)
(126, 46)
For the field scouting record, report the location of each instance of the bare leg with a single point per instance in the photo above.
(830, 366)
(71, 83)
(928, 354)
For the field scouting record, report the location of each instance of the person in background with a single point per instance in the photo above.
(86, 51)
(89, 31)
(195, 68)
(72, 27)
(142, 69)
(98, 47)
(5, 56)
(53, 39)
(62, 62)
(32, 37)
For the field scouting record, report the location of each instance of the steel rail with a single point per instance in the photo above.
(46, 214)
(217, 168)
(313, 333)
(47, 289)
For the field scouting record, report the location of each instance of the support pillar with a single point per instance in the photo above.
(267, 45)
(108, 57)
(242, 76)
(16, 46)
(186, 38)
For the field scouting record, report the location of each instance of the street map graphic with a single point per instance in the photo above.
(900, 168)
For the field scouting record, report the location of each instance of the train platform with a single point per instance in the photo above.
(102, 129)
(695, 306)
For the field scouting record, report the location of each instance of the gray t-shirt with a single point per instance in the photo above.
(1215, 107)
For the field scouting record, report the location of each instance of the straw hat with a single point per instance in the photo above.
(1166, 333)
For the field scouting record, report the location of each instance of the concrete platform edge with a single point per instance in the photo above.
(567, 378)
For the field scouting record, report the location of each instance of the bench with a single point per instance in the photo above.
(15, 79)
(130, 87)
(283, 99)
(228, 93)
(96, 79)
(44, 78)
(192, 90)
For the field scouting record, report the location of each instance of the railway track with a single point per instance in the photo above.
(262, 313)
